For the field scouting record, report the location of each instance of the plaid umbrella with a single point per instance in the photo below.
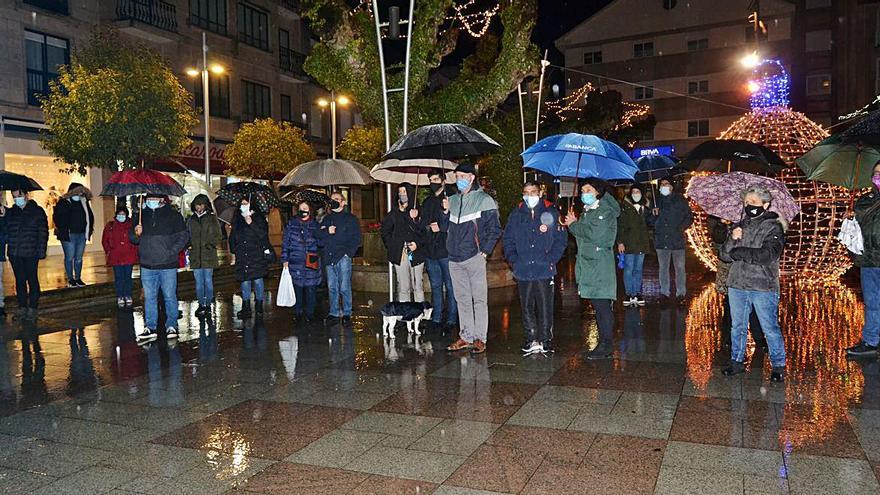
(141, 181)
(262, 196)
(719, 195)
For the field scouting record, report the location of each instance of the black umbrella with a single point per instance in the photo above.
(263, 196)
(733, 155)
(443, 141)
(867, 131)
(317, 198)
(17, 182)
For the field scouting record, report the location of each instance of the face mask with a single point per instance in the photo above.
(665, 190)
(754, 211)
(531, 201)
(245, 209)
(152, 204)
(335, 206)
(20, 201)
(75, 198)
(120, 218)
(876, 180)
(304, 214)
(588, 198)
(636, 198)
(435, 188)
(462, 184)
(402, 198)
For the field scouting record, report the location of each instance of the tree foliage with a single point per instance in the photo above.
(266, 148)
(116, 103)
(346, 60)
(363, 144)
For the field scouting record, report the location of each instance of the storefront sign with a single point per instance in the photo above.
(193, 157)
(656, 150)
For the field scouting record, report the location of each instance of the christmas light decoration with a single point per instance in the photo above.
(569, 103)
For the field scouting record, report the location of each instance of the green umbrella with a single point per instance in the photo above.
(840, 162)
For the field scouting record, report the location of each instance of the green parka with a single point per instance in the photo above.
(596, 232)
(204, 234)
(632, 229)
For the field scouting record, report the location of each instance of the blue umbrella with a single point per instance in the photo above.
(654, 167)
(579, 156)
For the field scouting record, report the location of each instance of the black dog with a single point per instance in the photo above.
(410, 312)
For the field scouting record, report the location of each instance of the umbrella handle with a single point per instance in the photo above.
(852, 191)
(141, 211)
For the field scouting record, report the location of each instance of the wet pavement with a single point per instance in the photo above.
(273, 406)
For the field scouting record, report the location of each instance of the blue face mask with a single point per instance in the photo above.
(75, 198)
(152, 204)
(120, 218)
(245, 209)
(462, 184)
(531, 201)
(20, 201)
(588, 198)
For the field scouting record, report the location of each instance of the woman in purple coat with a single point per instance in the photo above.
(299, 252)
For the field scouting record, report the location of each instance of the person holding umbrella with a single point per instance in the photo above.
(121, 253)
(204, 233)
(753, 251)
(28, 229)
(74, 225)
(670, 217)
(160, 234)
(403, 239)
(251, 254)
(437, 257)
(632, 242)
(340, 235)
(866, 213)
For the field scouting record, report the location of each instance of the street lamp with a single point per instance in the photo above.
(206, 101)
(332, 102)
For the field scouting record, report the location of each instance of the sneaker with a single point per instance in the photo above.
(200, 311)
(735, 368)
(548, 347)
(171, 333)
(120, 301)
(533, 348)
(346, 320)
(777, 375)
(146, 335)
(628, 302)
(525, 347)
(862, 350)
(128, 301)
(640, 301)
(600, 352)
(331, 320)
(479, 347)
(80, 283)
(72, 284)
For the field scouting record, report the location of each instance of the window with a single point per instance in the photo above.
(698, 128)
(819, 84)
(593, 57)
(818, 41)
(253, 26)
(697, 45)
(643, 92)
(646, 134)
(208, 14)
(641, 50)
(289, 60)
(669, 4)
(698, 87)
(286, 108)
(256, 101)
(218, 87)
(44, 54)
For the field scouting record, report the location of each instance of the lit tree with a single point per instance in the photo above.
(265, 148)
(363, 144)
(116, 103)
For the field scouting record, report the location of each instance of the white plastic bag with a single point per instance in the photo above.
(286, 295)
(851, 236)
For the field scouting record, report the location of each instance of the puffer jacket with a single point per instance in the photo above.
(249, 244)
(399, 228)
(204, 236)
(27, 230)
(472, 225)
(532, 252)
(3, 238)
(301, 238)
(867, 210)
(632, 228)
(674, 218)
(163, 238)
(64, 211)
(754, 259)
(595, 232)
(117, 245)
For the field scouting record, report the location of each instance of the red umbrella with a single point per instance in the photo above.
(141, 181)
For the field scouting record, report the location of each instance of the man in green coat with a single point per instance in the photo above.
(596, 233)
(204, 231)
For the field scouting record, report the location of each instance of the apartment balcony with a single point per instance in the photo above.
(152, 20)
(290, 8)
(291, 64)
(56, 6)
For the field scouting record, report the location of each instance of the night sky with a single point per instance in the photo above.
(556, 17)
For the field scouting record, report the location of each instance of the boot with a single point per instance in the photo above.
(200, 311)
(258, 306)
(32, 314)
(245, 312)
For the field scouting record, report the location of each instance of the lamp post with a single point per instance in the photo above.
(342, 100)
(206, 101)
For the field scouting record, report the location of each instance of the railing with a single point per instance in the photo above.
(156, 13)
(57, 6)
(291, 4)
(291, 61)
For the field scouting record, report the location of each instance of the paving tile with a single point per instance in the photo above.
(52, 459)
(14, 482)
(660, 406)
(566, 479)
(620, 423)
(759, 485)
(471, 411)
(721, 459)
(818, 431)
(625, 456)
(403, 463)
(338, 448)
(218, 476)
(382, 485)
(155, 460)
(808, 474)
(577, 394)
(549, 414)
(558, 446)
(497, 468)
(393, 424)
(96, 479)
(866, 425)
(454, 436)
(457, 490)
(683, 481)
(351, 399)
(301, 479)
(716, 386)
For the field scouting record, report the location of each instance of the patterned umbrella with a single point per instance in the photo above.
(262, 196)
(328, 172)
(316, 198)
(719, 195)
(141, 181)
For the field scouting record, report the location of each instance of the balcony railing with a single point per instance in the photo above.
(291, 61)
(155, 13)
(57, 6)
(291, 4)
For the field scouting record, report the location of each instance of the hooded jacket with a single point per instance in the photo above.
(249, 244)
(431, 212)
(472, 225)
(674, 218)
(117, 246)
(867, 210)
(532, 252)
(595, 232)
(74, 216)
(204, 235)
(399, 229)
(754, 259)
(164, 236)
(27, 230)
(632, 227)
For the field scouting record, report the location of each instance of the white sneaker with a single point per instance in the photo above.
(640, 301)
(534, 348)
(628, 302)
(171, 333)
(146, 335)
(120, 301)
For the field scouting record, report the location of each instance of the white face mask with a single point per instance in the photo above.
(531, 201)
(636, 198)
(665, 190)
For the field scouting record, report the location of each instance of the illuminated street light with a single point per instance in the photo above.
(334, 100)
(217, 69)
(751, 60)
(206, 101)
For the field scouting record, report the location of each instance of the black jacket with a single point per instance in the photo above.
(398, 229)
(346, 240)
(867, 210)
(674, 218)
(754, 259)
(163, 238)
(64, 213)
(249, 244)
(27, 230)
(435, 242)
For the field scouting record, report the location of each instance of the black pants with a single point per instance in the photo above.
(536, 297)
(27, 284)
(604, 320)
(754, 325)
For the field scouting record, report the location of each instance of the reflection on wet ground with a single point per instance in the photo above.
(274, 407)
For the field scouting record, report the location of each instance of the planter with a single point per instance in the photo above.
(373, 250)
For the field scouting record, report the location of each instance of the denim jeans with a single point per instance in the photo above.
(73, 255)
(339, 284)
(305, 300)
(122, 280)
(677, 256)
(438, 274)
(632, 273)
(153, 281)
(259, 290)
(871, 295)
(766, 305)
(204, 285)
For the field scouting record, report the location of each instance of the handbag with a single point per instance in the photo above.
(313, 261)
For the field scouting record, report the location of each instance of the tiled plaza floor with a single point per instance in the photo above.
(275, 407)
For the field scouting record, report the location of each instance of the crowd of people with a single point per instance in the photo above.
(452, 234)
